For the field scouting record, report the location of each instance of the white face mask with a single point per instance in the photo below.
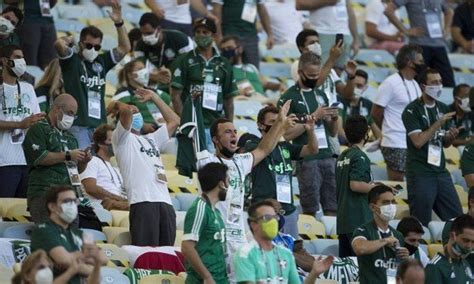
(90, 54)
(66, 122)
(19, 66)
(388, 212)
(44, 276)
(358, 92)
(315, 48)
(465, 105)
(151, 39)
(69, 212)
(6, 27)
(143, 76)
(434, 91)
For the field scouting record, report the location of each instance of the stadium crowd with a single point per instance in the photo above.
(237, 141)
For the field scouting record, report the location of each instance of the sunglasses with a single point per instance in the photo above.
(97, 47)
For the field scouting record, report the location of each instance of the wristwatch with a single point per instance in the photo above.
(68, 155)
(351, 77)
(119, 24)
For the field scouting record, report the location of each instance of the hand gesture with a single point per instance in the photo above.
(391, 241)
(416, 32)
(78, 155)
(350, 68)
(321, 265)
(144, 95)
(310, 122)
(212, 17)
(163, 75)
(116, 14)
(451, 134)
(403, 253)
(336, 50)
(270, 42)
(319, 113)
(446, 117)
(31, 120)
(288, 121)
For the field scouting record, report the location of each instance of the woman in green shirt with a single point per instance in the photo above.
(50, 86)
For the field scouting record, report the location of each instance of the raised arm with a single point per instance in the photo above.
(123, 42)
(123, 111)
(63, 45)
(217, 11)
(334, 54)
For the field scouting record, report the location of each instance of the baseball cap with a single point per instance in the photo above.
(206, 23)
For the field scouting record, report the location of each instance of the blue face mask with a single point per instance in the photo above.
(137, 121)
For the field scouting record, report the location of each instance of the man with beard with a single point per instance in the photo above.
(203, 243)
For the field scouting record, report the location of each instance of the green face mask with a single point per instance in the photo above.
(460, 251)
(269, 229)
(203, 41)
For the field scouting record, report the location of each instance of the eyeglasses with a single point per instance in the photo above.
(97, 47)
(71, 200)
(268, 217)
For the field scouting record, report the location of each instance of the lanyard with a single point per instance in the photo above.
(380, 236)
(431, 5)
(238, 170)
(406, 87)
(305, 102)
(4, 97)
(161, 54)
(282, 158)
(268, 268)
(155, 151)
(427, 114)
(110, 172)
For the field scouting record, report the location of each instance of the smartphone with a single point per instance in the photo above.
(335, 104)
(339, 37)
(301, 118)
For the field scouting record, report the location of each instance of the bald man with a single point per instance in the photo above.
(411, 272)
(53, 156)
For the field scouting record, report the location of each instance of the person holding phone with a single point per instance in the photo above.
(429, 183)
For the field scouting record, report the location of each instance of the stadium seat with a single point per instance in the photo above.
(169, 161)
(433, 249)
(112, 275)
(375, 58)
(247, 108)
(461, 62)
(402, 211)
(309, 228)
(125, 223)
(186, 200)
(18, 212)
(20, 231)
(280, 51)
(112, 232)
(68, 26)
(180, 219)
(436, 229)
(176, 204)
(464, 78)
(117, 216)
(35, 71)
(105, 217)
(329, 223)
(275, 70)
(452, 155)
(117, 256)
(378, 173)
(462, 194)
(4, 225)
(326, 247)
(459, 179)
(6, 203)
(112, 77)
(123, 239)
(394, 223)
(97, 235)
(376, 74)
(109, 42)
(133, 15)
(427, 235)
(446, 96)
(162, 278)
(6, 275)
(181, 184)
(245, 125)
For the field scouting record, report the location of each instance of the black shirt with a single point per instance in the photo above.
(463, 18)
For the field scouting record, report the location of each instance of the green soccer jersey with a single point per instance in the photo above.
(372, 267)
(85, 81)
(306, 102)
(233, 14)
(41, 139)
(173, 44)
(442, 270)
(352, 165)
(445, 239)
(205, 226)
(362, 108)
(464, 124)
(137, 274)
(13, 39)
(49, 235)
(149, 110)
(467, 160)
(248, 72)
(417, 118)
(275, 166)
(193, 73)
(252, 264)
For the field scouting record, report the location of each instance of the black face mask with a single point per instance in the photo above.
(411, 248)
(229, 53)
(222, 194)
(309, 83)
(226, 152)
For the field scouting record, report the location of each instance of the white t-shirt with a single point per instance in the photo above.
(106, 176)
(331, 19)
(393, 96)
(138, 158)
(284, 31)
(374, 14)
(239, 167)
(174, 12)
(11, 152)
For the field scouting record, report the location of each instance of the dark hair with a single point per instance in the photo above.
(134, 35)
(301, 37)
(18, 13)
(211, 174)
(100, 135)
(215, 125)
(407, 53)
(254, 207)
(376, 191)
(7, 50)
(53, 192)
(236, 39)
(407, 264)
(149, 18)
(470, 195)
(308, 59)
(363, 74)
(263, 112)
(408, 225)
(91, 31)
(356, 128)
(423, 76)
(462, 222)
(458, 88)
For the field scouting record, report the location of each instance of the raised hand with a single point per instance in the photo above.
(144, 95)
(321, 265)
(116, 14)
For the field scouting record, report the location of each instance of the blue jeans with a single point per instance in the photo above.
(14, 181)
(209, 144)
(83, 135)
(433, 193)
